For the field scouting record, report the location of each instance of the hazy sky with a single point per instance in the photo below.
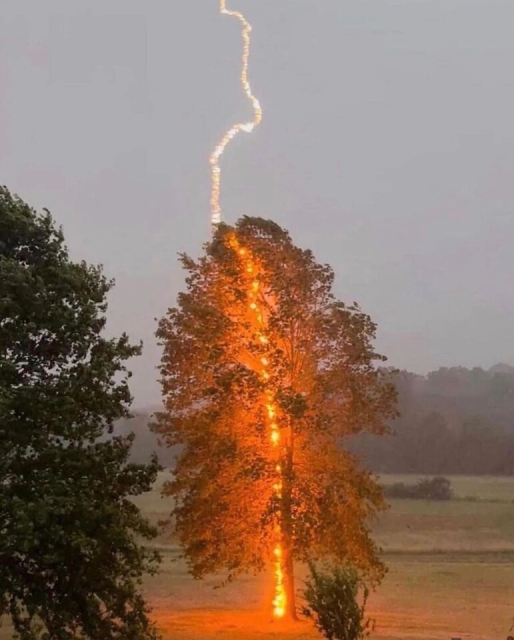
(387, 146)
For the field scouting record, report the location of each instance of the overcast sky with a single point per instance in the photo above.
(387, 146)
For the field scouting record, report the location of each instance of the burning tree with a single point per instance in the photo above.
(264, 373)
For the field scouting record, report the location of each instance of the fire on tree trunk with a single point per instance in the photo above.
(288, 528)
(289, 586)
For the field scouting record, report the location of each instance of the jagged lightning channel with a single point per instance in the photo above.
(247, 127)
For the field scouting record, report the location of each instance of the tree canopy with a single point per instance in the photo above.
(259, 332)
(70, 556)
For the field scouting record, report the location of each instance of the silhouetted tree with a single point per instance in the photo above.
(70, 556)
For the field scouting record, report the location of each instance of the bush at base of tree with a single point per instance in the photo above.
(336, 601)
(426, 489)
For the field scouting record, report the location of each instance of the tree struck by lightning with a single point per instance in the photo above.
(264, 374)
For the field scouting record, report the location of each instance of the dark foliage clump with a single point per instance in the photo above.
(426, 489)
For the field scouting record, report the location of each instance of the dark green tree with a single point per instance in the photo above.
(71, 560)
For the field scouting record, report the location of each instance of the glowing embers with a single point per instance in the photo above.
(247, 127)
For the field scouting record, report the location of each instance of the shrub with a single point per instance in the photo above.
(400, 490)
(426, 489)
(435, 489)
(332, 602)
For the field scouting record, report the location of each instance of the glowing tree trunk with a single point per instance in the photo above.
(287, 530)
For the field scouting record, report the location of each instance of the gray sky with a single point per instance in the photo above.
(387, 146)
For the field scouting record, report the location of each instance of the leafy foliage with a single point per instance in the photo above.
(70, 560)
(332, 601)
(325, 384)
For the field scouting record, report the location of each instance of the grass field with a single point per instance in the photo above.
(451, 574)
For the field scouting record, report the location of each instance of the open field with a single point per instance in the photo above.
(482, 488)
(425, 596)
(451, 574)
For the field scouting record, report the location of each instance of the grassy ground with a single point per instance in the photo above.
(425, 596)
(451, 574)
(483, 488)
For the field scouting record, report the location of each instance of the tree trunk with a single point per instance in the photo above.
(289, 584)
(287, 534)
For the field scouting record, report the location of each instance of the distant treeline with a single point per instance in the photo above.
(453, 421)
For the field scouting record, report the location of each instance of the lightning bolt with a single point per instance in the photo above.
(247, 127)
(280, 598)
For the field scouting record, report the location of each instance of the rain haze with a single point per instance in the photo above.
(386, 147)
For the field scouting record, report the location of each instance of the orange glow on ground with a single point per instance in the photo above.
(213, 623)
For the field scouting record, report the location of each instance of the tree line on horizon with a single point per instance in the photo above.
(452, 421)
